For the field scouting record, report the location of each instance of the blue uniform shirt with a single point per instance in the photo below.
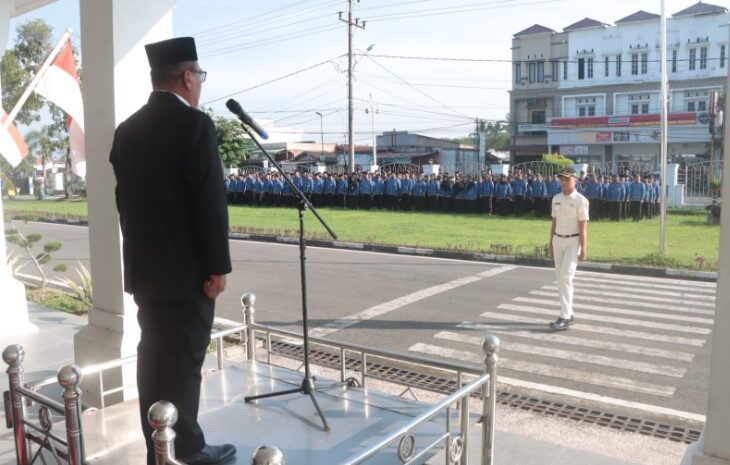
(503, 190)
(392, 186)
(342, 186)
(519, 187)
(637, 191)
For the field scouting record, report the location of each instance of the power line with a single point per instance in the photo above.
(411, 15)
(596, 63)
(299, 71)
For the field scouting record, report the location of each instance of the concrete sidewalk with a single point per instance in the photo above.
(521, 438)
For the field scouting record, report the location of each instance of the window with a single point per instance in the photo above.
(644, 108)
(634, 63)
(581, 111)
(538, 117)
(692, 58)
(674, 61)
(565, 70)
(605, 67)
(722, 56)
(701, 105)
(532, 72)
(618, 65)
(581, 68)
(644, 61)
(690, 106)
(703, 57)
(635, 109)
(590, 68)
(518, 72)
(540, 71)
(554, 70)
(591, 111)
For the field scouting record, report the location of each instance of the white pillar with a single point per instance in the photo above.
(716, 447)
(14, 308)
(116, 83)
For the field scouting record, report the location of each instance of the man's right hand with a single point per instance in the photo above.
(550, 249)
(214, 286)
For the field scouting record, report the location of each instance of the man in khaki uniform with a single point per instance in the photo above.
(568, 240)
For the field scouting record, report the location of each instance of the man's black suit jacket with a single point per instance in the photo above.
(171, 200)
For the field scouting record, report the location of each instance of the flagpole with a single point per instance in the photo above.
(34, 83)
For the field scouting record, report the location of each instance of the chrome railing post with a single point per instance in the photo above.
(464, 429)
(70, 377)
(248, 301)
(490, 346)
(162, 416)
(14, 355)
(268, 455)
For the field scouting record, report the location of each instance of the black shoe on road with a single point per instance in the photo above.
(211, 455)
(561, 324)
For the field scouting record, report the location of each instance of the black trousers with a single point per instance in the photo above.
(170, 355)
(636, 210)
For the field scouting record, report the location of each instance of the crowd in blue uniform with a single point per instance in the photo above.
(616, 197)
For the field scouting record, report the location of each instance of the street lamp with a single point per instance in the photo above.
(321, 132)
(373, 111)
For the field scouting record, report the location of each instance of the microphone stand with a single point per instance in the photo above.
(308, 386)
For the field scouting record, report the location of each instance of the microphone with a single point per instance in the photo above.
(236, 109)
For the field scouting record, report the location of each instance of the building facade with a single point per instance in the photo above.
(606, 105)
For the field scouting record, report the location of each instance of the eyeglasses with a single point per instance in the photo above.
(203, 74)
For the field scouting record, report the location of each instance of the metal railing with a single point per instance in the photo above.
(21, 395)
(699, 177)
(473, 168)
(456, 445)
(620, 167)
(400, 168)
(537, 167)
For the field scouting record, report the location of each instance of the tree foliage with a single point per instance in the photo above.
(233, 144)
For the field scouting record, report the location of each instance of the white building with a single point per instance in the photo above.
(609, 91)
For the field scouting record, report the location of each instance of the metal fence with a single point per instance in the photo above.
(699, 177)
(465, 167)
(400, 168)
(455, 442)
(620, 167)
(537, 167)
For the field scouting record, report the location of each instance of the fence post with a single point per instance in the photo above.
(70, 377)
(490, 347)
(268, 455)
(248, 301)
(14, 355)
(162, 416)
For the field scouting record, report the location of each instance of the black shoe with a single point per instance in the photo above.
(561, 324)
(211, 455)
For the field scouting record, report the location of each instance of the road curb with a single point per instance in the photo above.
(615, 268)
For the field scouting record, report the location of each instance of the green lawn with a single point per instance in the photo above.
(692, 243)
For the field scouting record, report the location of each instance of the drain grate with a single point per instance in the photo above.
(416, 379)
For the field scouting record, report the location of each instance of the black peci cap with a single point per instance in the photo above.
(171, 51)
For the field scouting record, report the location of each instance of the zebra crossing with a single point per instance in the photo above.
(634, 337)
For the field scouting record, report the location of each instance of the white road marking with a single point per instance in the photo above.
(686, 295)
(635, 297)
(594, 329)
(604, 400)
(710, 290)
(611, 319)
(581, 357)
(650, 279)
(592, 343)
(596, 379)
(381, 309)
(621, 311)
(631, 303)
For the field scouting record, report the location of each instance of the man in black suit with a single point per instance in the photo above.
(172, 209)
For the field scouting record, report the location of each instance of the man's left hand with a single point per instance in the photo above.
(214, 285)
(582, 256)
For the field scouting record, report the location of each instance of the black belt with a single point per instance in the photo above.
(568, 236)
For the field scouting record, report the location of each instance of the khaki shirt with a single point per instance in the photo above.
(568, 210)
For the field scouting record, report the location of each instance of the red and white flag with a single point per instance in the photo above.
(12, 144)
(60, 85)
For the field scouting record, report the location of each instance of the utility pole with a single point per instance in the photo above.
(351, 25)
(321, 133)
(663, 133)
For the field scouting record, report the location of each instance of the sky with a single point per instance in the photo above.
(244, 43)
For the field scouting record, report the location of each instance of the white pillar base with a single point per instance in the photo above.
(14, 308)
(108, 336)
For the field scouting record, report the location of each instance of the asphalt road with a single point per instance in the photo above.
(636, 340)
